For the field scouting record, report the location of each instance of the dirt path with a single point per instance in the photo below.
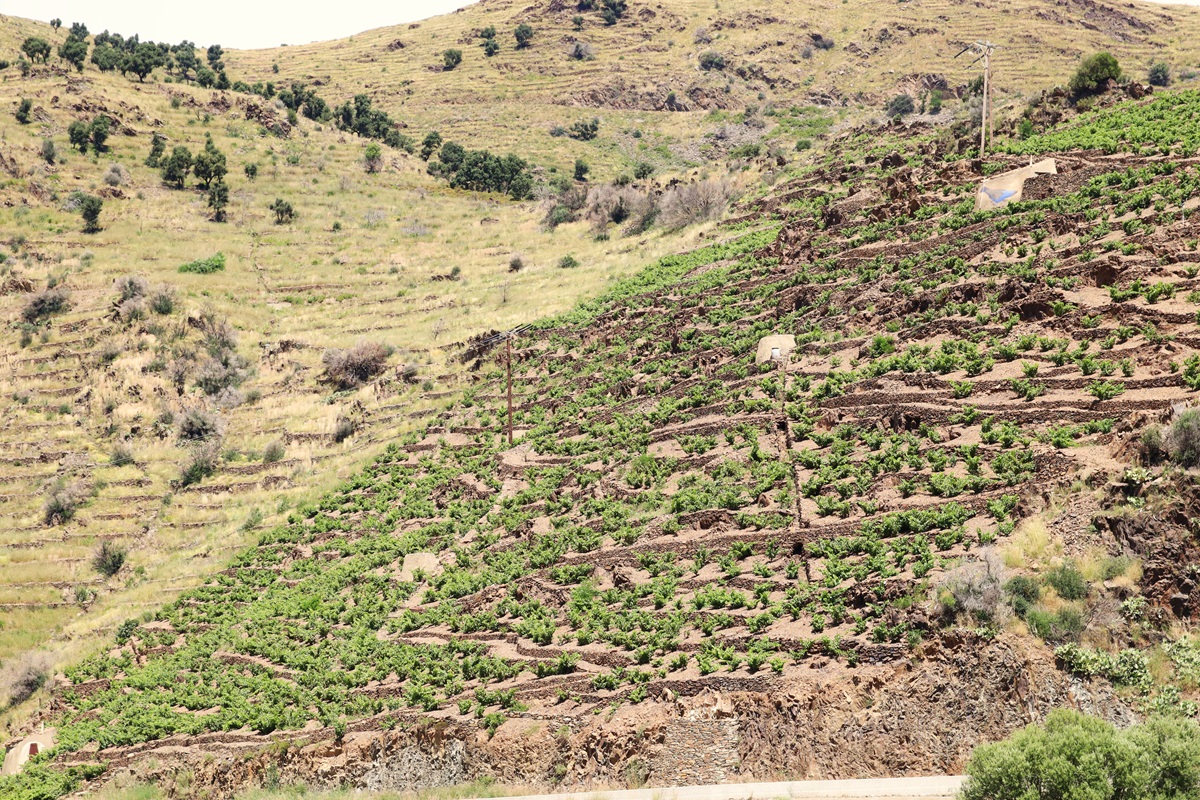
(870, 789)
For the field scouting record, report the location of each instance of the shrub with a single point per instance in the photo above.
(1160, 75)
(273, 452)
(162, 301)
(1073, 755)
(451, 58)
(711, 60)
(108, 559)
(900, 105)
(116, 175)
(1183, 438)
(1153, 445)
(699, 201)
(344, 429)
(373, 158)
(1092, 75)
(1068, 582)
(975, 590)
(62, 503)
(251, 170)
(582, 51)
(201, 464)
(90, 207)
(176, 168)
(581, 169)
(49, 151)
(350, 368)
(122, 455)
(568, 262)
(23, 676)
(584, 130)
(205, 266)
(23, 109)
(198, 425)
(45, 304)
(524, 35)
(284, 212)
(516, 264)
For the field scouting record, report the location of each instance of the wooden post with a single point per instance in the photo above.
(983, 117)
(508, 362)
(991, 104)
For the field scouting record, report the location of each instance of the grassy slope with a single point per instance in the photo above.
(652, 52)
(302, 281)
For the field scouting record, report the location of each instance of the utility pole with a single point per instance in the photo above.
(983, 50)
(508, 364)
(479, 347)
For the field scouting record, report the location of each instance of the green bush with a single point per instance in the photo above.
(712, 60)
(1160, 75)
(1095, 71)
(524, 35)
(1068, 582)
(451, 58)
(568, 262)
(109, 559)
(205, 266)
(1074, 756)
(23, 110)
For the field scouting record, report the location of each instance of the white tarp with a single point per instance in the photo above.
(1007, 187)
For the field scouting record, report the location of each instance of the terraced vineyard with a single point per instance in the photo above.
(690, 564)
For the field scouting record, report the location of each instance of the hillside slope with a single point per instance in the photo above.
(943, 514)
(93, 397)
(645, 70)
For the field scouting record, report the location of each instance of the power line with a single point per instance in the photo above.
(983, 51)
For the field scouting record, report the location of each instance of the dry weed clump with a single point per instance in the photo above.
(699, 201)
(45, 304)
(351, 368)
(63, 502)
(975, 590)
(23, 676)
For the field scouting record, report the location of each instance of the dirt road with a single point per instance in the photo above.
(871, 789)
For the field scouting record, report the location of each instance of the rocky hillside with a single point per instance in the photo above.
(963, 498)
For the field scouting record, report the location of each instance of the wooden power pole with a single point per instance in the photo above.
(983, 50)
(480, 347)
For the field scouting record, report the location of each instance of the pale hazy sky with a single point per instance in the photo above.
(232, 23)
(242, 23)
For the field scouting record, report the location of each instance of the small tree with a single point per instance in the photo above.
(176, 168)
(158, 145)
(99, 133)
(205, 76)
(523, 35)
(433, 141)
(49, 151)
(711, 60)
(23, 109)
(74, 51)
(490, 47)
(251, 170)
(209, 164)
(284, 212)
(1092, 75)
(79, 133)
(214, 54)
(900, 105)
(581, 169)
(218, 199)
(452, 58)
(90, 207)
(373, 158)
(37, 49)
(56, 23)
(1160, 75)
